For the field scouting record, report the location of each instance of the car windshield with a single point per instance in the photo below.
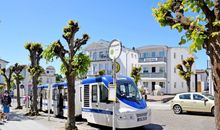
(209, 96)
(128, 90)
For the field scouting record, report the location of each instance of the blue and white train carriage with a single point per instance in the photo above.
(131, 109)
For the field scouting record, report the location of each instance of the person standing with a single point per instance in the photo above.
(6, 102)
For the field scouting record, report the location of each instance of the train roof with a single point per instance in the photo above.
(43, 86)
(107, 79)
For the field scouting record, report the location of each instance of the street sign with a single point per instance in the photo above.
(117, 65)
(112, 92)
(114, 50)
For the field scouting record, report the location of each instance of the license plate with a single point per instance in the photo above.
(142, 118)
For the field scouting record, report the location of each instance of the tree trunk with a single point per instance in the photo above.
(18, 95)
(188, 85)
(8, 85)
(216, 77)
(34, 98)
(70, 125)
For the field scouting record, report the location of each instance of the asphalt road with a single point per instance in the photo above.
(167, 120)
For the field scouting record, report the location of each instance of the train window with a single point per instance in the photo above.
(54, 94)
(44, 94)
(103, 93)
(94, 93)
(65, 94)
(80, 94)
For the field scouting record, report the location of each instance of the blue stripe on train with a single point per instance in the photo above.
(97, 111)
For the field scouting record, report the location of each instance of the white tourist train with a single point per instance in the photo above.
(92, 102)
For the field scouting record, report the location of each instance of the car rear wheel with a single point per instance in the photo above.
(177, 109)
(213, 111)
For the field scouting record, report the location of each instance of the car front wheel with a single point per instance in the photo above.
(177, 109)
(213, 111)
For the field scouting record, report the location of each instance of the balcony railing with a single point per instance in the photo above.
(154, 75)
(152, 59)
(101, 58)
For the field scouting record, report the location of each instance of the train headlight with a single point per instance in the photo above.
(126, 117)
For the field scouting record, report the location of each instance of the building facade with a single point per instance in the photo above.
(98, 53)
(210, 77)
(158, 65)
(202, 80)
(3, 64)
(45, 78)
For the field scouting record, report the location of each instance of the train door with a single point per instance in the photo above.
(58, 101)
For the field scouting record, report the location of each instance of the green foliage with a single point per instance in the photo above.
(51, 51)
(101, 72)
(166, 11)
(135, 73)
(185, 69)
(34, 46)
(59, 78)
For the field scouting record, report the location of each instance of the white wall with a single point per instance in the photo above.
(2, 65)
(173, 77)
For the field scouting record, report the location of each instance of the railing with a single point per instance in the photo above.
(103, 58)
(154, 75)
(153, 59)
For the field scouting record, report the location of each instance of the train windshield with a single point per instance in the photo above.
(128, 90)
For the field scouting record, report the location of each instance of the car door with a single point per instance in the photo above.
(185, 101)
(198, 103)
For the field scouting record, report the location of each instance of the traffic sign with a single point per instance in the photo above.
(114, 50)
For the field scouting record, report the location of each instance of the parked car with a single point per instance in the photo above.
(193, 101)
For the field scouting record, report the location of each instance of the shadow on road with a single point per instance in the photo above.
(147, 127)
(197, 114)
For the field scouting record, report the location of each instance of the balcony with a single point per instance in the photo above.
(152, 59)
(100, 58)
(154, 75)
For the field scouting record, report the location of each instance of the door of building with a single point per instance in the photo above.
(153, 86)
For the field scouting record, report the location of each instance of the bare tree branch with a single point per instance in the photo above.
(208, 13)
(217, 9)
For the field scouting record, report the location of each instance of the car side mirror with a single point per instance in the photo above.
(204, 99)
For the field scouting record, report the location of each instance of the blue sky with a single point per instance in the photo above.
(130, 21)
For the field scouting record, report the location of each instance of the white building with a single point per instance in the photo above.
(46, 78)
(210, 77)
(202, 80)
(3, 64)
(98, 52)
(159, 68)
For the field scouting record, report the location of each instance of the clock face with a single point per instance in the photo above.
(115, 49)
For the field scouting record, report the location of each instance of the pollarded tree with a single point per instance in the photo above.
(18, 78)
(185, 71)
(7, 77)
(200, 21)
(136, 74)
(101, 72)
(73, 65)
(35, 50)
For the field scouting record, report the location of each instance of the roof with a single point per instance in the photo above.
(98, 45)
(152, 46)
(107, 79)
(4, 60)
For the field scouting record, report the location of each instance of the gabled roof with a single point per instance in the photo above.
(4, 60)
(101, 44)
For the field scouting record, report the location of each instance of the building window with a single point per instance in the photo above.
(101, 54)
(132, 55)
(161, 69)
(162, 84)
(161, 54)
(174, 84)
(94, 56)
(145, 70)
(145, 54)
(103, 93)
(145, 84)
(174, 69)
(153, 54)
(94, 93)
(174, 56)
(181, 57)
